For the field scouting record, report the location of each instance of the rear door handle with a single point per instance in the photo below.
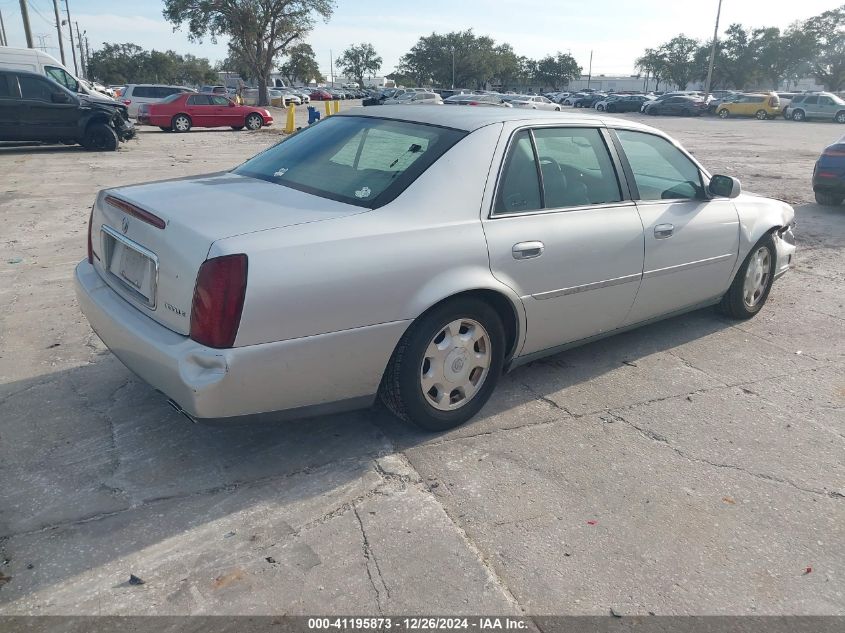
(662, 231)
(527, 250)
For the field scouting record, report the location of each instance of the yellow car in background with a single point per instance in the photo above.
(759, 105)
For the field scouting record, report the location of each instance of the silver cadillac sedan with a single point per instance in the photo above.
(414, 254)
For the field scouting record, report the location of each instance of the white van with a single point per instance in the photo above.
(36, 61)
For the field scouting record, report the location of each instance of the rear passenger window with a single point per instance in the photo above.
(143, 92)
(199, 100)
(576, 167)
(810, 101)
(520, 186)
(5, 90)
(661, 170)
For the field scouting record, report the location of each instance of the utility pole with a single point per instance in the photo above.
(331, 67)
(453, 68)
(70, 28)
(3, 40)
(81, 52)
(712, 53)
(590, 71)
(59, 30)
(87, 54)
(26, 29)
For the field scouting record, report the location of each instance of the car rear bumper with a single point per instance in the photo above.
(305, 376)
(835, 185)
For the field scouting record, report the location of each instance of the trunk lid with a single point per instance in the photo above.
(156, 269)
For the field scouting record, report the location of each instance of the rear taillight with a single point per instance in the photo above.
(834, 152)
(90, 237)
(219, 301)
(773, 102)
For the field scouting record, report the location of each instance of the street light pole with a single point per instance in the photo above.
(590, 72)
(712, 53)
(453, 67)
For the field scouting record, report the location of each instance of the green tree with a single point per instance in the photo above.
(359, 60)
(653, 64)
(129, 63)
(475, 60)
(556, 71)
(827, 33)
(678, 60)
(260, 29)
(301, 64)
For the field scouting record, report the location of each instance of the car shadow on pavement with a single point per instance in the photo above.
(95, 451)
(11, 149)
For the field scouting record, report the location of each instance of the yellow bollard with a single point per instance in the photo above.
(328, 108)
(336, 106)
(290, 125)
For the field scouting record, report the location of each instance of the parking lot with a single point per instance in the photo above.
(693, 466)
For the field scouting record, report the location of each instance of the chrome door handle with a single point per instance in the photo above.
(527, 250)
(662, 231)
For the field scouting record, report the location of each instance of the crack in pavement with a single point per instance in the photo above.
(660, 439)
(369, 556)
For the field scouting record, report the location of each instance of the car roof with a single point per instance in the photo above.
(470, 119)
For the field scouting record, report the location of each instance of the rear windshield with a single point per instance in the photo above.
(359, 160)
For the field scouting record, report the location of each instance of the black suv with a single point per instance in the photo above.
(36, 108)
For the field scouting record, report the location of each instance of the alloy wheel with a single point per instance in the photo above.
(182, 124)
(455, 364)
(757, 276)
(253, 122)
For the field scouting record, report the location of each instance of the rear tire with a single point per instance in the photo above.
(753, 282)
(828, 199)
(181, 123)
(100, 137)
(470, 335)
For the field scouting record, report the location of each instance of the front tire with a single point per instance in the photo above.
(840, 117)
(753, 282)
(761, 115)
(100, 137)
(799, 116)
(828, 199)
(254, 122)
(723, 113)
(447, 364)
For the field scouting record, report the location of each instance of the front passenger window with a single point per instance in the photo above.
(661, 170)
(34, 88)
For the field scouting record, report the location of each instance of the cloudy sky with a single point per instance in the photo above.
(616, 30)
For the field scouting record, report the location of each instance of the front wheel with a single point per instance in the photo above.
(828, 199)
(753, 282)
(761, 115)
(840, 117)
(600, 108)
(254, 122)
(445, 367)
(557, 109)
(798, 115)
(100, 137)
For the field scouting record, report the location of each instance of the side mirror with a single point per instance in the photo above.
(724, 187)
(60, 97)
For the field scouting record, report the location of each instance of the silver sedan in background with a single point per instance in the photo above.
(415, 254)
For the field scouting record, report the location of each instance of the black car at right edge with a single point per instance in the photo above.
(829, 175)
